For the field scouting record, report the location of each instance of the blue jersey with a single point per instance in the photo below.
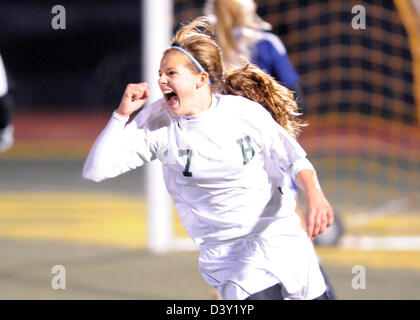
(268, 52)
(270, 55)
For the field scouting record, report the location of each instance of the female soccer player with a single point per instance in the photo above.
(221, 158)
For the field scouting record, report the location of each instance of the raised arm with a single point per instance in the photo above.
(118, 148)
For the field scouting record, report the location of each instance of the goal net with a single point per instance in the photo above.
(361, 90)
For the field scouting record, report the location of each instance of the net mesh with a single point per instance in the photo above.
(359, 95)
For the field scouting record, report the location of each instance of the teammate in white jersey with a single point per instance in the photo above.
(221, 157)
(6, 102)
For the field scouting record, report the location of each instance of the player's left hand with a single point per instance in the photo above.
(319, 214)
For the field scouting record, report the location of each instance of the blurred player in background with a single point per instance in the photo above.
(6, 126)
(222, 160)
(244, 38)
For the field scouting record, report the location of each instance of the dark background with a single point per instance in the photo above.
(87, 64)
(357, 85)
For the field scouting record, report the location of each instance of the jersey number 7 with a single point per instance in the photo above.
(188, 153)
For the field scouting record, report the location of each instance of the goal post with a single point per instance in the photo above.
(156, 26)
(156, 31)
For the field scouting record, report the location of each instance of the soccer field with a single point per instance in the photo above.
(112, 272)
(97, 232)
(99, 237)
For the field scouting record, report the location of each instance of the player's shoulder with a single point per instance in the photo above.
(242, 108)
(237, 104)
(274, 41)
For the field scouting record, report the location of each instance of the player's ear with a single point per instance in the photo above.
(202, 79)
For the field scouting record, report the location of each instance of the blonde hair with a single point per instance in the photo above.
(250, 81)
(253, 83)
(229, 14)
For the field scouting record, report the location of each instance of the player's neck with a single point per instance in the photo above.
(201, 102)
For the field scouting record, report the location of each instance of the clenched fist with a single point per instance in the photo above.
(134, 97)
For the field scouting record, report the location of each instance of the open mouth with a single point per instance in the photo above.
(170, 96)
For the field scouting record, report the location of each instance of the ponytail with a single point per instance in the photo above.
(253, 83)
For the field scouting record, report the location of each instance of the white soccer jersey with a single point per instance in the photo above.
(220, 167)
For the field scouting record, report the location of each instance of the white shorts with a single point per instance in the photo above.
(245, 266)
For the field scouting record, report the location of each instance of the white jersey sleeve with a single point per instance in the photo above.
(122, 147)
